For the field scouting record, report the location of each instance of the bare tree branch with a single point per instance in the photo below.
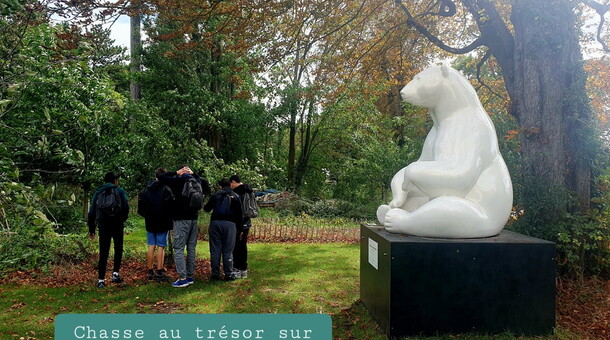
(50, 171)
(601, 11)
(435, 40)
(481, 81)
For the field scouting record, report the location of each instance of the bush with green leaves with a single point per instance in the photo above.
(583, 244)
(28, 237)
(29, 248)
(582, 239)
(21, 205)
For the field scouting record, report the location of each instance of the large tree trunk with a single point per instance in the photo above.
(549, 100)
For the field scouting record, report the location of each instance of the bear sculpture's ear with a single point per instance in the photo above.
(445, 70)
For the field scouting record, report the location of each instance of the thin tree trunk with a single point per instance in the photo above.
(215, 136)
(292, 132)
(306, 148)
(135, 52)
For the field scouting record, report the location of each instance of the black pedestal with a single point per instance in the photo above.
(416, 285)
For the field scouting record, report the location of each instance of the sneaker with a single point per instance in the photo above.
(189, 280)
(215, 277)
(151, 274)
(160, 276)
(230, 277)
(117, 279)
(180, 283)
(237, 273)
(244, 273)
(100, 284)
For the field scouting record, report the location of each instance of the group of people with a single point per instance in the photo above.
(171, 202)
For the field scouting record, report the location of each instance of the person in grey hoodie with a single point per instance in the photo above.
(108, 211)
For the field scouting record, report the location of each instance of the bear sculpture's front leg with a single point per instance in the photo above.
(399, 196)
(405, 195)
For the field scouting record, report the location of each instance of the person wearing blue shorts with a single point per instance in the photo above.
(158, 241)
(155, 204)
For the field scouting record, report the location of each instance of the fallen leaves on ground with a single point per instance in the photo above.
(85, 273)
(583, 306)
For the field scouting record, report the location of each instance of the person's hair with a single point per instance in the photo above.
(160, 171)
(223, 183)
(235, 178)
(110, 177)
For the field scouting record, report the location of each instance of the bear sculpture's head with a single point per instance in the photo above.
(425, 88)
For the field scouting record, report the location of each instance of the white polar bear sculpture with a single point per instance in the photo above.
(460, 186)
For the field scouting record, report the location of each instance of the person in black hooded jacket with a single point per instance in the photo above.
(226, 215)
(155, 205)
(240, 251)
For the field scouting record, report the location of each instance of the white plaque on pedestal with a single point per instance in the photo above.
(373, 254)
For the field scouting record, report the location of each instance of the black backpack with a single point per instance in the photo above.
(223, 204)
(193, 192)
(108, 203)
(249, 205)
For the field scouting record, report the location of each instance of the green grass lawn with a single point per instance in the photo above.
(283, 278)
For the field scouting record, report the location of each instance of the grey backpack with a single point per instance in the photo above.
(193, 192)
(249, 206)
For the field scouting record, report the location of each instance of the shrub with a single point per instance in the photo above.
(27, 249)
(71, 248)
(583, 245)
(582, 238)
(297, 206)
(69, 219)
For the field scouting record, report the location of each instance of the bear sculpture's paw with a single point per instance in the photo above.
(396, 221)
(381, 211)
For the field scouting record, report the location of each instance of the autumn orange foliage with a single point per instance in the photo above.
(598, 87)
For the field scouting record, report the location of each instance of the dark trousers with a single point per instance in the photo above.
(222, 242)
(240, 252)
(106, 234)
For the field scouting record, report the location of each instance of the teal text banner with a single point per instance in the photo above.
(193, 326)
